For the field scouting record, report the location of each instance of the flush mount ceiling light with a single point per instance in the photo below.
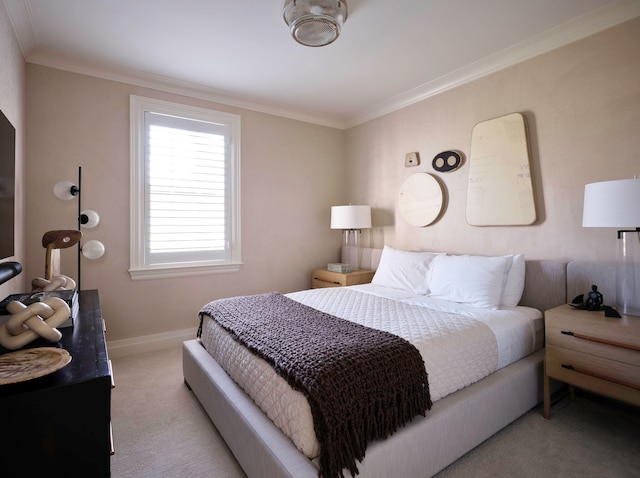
(315, 22)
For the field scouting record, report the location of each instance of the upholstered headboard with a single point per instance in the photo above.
(544, 289)
(545, 283)
(582, 275)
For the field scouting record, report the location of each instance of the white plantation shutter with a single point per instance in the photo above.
(188, 217)
(186, 209)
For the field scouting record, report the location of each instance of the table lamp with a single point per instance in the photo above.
(351, 219)
(616, 204)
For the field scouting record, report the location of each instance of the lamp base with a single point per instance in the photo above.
(628, 274)
(351, 251)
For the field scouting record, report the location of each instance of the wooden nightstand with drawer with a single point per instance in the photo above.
(325, 278)
(590, 351)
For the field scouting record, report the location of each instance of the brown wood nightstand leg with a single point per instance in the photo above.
(572, 392)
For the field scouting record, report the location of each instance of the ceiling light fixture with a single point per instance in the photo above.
(315, 22)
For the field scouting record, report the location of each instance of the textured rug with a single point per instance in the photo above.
(160, 430)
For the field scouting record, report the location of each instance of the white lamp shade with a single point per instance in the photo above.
(93, 249)
(89, 218)
(65, 190)
(612, 204)
(350, 217)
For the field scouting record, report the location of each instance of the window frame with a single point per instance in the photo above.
(138, 269)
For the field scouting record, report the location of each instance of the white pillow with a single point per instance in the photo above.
(475, 280)
(406, 270)
(514, 286)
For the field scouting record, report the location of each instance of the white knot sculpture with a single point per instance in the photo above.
(59, 282)
(30, 322)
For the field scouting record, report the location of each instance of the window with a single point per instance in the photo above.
(184, 190)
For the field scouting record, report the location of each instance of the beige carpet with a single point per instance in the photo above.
(160, 430)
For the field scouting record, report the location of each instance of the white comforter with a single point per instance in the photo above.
(459, 344)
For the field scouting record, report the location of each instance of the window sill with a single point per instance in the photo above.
(163, 272)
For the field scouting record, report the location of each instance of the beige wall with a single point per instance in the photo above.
(12, 73)
(291, 174)
(582, 104)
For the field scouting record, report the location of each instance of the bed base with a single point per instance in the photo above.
(455, 424)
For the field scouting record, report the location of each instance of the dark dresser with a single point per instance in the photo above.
(60, 424)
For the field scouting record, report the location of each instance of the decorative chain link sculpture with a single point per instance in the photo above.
(59, 282)
(27, 323)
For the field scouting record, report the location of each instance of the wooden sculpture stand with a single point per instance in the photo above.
(53, 241)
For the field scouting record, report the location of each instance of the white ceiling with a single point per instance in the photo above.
(391, 52)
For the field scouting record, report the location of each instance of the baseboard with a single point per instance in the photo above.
(149, 343)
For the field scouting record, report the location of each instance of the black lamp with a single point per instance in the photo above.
(88, 218)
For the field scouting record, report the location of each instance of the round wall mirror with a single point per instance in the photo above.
(420, 199)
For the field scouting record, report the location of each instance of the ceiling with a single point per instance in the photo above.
(390, 53)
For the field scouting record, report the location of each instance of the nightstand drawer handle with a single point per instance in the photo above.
(602, 341)
(602, 377)
(328, 282)
(112, 450)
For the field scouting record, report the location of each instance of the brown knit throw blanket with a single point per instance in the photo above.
(361, 383)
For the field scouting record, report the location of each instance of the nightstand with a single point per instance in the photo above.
(590, 351)
(325, 278)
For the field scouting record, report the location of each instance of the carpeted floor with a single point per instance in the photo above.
(159, 428)
(161, 431)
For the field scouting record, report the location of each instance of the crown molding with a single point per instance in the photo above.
(179, 87)
(569, 32)
(21, 20)
(613, 14)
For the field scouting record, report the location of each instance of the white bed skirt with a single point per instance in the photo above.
(454, 425)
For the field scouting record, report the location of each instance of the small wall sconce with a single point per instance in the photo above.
(88, 218)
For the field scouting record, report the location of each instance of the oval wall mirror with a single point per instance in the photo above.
(420, 199)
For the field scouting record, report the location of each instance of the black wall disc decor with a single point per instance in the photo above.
(447, 161)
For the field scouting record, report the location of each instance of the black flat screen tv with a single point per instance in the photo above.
(7, 186)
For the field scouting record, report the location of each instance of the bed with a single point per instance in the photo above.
(465, 412)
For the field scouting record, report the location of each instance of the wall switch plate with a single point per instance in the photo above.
(411, 159)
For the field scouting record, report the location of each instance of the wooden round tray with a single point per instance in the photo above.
(28, 364)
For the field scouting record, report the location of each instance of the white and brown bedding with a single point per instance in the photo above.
(460, 344)
(361, 383)
(458, 312)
